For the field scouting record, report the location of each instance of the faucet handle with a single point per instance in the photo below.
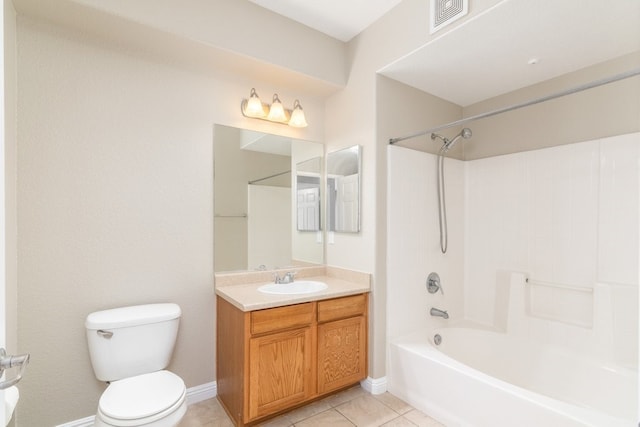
(433, 283)
(289, 275)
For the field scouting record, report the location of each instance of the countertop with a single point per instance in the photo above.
(340, 282)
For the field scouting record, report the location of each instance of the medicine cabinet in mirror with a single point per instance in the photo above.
(256, 180)
(343, 190)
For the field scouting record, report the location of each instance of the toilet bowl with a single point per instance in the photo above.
(150, 400)
(130, 347)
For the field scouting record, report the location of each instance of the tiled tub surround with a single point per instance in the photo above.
(566, 219)
(241, 288)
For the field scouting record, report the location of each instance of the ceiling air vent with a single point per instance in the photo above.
(444, 12)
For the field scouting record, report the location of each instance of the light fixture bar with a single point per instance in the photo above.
(275, 112)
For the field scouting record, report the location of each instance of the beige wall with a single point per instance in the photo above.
(10, 153)
(115, 203)
(612, 109)
(262, 34)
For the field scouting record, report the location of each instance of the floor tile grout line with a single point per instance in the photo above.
(327, 410)
(399, 416)
(332, 407)
(350, 395)
(411, 408)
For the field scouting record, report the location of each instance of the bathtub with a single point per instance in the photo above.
(479, 377)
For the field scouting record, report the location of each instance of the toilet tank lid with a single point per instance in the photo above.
(132, 316)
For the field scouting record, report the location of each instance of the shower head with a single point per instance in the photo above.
(465, 133)
(449, 143)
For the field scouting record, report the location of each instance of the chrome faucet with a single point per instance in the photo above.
(439, 313)
(287, 278)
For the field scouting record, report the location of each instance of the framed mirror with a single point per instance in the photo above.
(343, 190)
(255, 201)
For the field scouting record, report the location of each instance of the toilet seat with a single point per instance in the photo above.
(141, 399)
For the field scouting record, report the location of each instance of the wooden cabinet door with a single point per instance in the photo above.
(280, 371)
(342, 353)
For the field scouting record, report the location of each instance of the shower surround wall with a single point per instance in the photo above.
(413, 249)
(565, 215)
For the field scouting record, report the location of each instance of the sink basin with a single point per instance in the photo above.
(293, 288)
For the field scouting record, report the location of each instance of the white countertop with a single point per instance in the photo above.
(246, 297)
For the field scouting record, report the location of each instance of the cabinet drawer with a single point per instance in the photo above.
(275, 319)
(341, 308)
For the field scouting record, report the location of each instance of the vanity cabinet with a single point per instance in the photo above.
(280, 358)
(274, 359)
(342, 351)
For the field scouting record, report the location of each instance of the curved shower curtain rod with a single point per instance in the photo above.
(569, 91)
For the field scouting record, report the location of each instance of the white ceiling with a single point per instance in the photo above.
(489, 54)
(340, 19)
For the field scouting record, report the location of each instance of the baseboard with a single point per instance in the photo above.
(374, 385)
(85, 422)
(202, 392)
(194, 395)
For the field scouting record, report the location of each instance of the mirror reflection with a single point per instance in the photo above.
(343, 190)
(308, 194)
(254, 204)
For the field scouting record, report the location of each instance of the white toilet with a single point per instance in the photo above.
(129, 348)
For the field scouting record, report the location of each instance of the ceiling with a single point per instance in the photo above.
(514, 44)
(340, 19)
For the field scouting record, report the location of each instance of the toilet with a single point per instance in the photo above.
(130, 347)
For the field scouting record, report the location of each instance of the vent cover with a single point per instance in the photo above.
(444, 12)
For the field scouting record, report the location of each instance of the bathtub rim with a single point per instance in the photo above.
(419, 343)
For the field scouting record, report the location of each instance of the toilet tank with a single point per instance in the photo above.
(128, 341)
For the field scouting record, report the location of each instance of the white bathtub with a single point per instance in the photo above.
(477, 377)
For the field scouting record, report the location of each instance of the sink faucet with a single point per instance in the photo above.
(439, 313)
(287, 278)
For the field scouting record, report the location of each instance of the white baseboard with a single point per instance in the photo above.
(374, 385)
(202, 392)
(85, 422)
(194, 395)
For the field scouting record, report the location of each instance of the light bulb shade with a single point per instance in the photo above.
(298, 120)
(253, 106)
(276, 111)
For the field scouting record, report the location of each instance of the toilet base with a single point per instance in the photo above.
(171, 420)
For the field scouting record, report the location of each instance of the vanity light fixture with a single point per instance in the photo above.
(298, 120)
(276, 111)
(254, 108)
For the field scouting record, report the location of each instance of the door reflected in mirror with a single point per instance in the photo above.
(343, 190)
(308, 194)
(255, 201)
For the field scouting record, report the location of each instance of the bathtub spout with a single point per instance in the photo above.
(439, 313)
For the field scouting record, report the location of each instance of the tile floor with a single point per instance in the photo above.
(352, 407)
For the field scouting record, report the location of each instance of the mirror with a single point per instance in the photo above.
(254, 205)
(343, 190)
(308, 194)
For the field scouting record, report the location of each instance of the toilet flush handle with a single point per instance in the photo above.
(105, 334)
(7, 361)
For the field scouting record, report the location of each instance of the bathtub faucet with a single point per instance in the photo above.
(439, 313)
